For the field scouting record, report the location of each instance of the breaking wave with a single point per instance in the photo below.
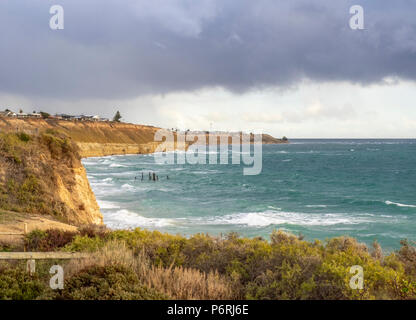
(269, 217)
(124, 219)
(389, 203)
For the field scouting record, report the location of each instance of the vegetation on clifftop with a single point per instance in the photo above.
(141, 264)
(30, 165)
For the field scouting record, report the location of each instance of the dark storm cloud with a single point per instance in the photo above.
(122, 49)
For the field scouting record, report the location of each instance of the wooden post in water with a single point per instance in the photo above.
(154, 176)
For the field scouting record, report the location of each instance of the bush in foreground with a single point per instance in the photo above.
(16, 284)
(107, 283)
(204, 267)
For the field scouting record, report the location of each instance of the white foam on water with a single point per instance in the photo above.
(125, 219)
(102, 183)
(107, 191)
(153, 189)
(107, 205)
(275, 208)
(205, 152)
(122, 174)
(316, 206)
(205, 172)
(90, 162)
(96, 174)
(117, 165)
(127, 187)
(269, 217)
(389, 203)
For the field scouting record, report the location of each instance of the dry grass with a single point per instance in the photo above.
(113, 253)
(187, 284)
(177, 282)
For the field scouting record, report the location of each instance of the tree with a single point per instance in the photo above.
(117, 117)
(45, 115)
(284, 138)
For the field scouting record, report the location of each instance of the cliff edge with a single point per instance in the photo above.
(43, 174)
(94, 139)
(97, 139)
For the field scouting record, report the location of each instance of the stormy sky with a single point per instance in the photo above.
(292, 68)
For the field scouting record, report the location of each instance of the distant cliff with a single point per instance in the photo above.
(96, 139)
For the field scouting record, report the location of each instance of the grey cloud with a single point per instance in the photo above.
(120, 50)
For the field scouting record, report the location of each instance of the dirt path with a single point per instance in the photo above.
(14, 223)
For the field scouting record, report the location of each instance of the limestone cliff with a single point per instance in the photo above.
(97, 139)
(43, 174)
(94, 139)
(94, 149)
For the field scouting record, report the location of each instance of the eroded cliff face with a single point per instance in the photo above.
(95, 139)
(43, 174)
(80, 199)
(92, 149)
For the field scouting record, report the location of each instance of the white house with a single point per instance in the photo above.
(7, 113)
(35, 115)
(22, 115)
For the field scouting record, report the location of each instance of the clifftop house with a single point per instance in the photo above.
(10, 114)
(82, 117)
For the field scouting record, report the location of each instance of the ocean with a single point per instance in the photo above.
(318, 188)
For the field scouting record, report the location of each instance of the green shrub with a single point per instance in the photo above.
(89, 238)
(16, 284)
(94, 230)
(45, 115)
(286, 267)
(23, 136)
(85, 244)
(407, 255)
(108, 283)
(50, 240)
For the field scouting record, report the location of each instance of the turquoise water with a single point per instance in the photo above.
(320, 188)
